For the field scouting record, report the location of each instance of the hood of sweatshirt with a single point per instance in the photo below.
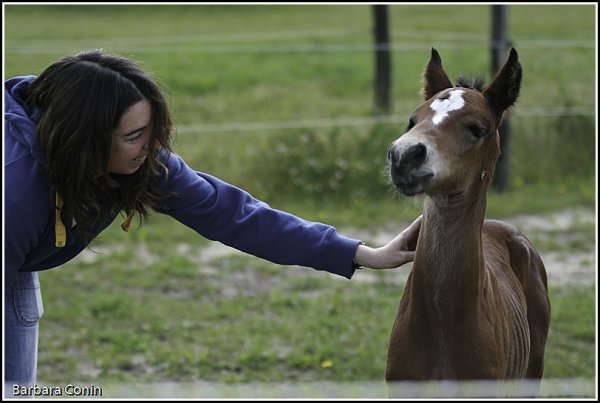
(36, 239)
(21, 117)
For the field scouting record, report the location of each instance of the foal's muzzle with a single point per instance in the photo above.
(406, 166)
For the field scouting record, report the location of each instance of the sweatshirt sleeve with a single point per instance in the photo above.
(225, 213)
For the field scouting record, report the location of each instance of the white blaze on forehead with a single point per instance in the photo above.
(443, 106)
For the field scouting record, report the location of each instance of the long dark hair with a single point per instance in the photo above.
(81, 99)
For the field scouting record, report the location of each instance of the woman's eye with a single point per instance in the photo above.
(132, 138)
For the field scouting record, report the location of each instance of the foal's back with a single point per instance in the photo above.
(511, 258)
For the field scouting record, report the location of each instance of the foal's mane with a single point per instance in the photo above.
(476, 83)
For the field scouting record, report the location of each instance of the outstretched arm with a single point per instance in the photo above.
(397, 252)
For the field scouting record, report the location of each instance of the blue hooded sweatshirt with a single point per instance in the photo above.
(211, 207)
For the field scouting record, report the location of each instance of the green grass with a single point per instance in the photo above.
(226, 64)
(572, 333)
(151, 307)
(246, 320)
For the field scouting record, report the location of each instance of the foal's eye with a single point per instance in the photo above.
(477, 130)
(411, 124)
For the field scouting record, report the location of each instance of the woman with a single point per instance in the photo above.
(90, 138)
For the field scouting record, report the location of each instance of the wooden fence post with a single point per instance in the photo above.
(499, 49)
(383, 79)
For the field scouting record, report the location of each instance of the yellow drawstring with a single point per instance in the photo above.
(61, 232)
(127, 222)
(59, 228)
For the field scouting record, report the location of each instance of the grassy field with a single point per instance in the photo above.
(274, 99)
(236, 75)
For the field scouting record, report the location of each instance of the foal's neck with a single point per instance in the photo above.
(449, 258)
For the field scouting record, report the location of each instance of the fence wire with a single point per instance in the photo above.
(364, 121)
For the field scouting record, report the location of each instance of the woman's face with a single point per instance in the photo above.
(130, 139)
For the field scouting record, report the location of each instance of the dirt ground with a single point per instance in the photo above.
(563, 239)
(552, 234)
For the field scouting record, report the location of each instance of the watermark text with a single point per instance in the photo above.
(68, 390)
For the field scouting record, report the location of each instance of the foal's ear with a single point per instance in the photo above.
(435, 78)
(503, 92)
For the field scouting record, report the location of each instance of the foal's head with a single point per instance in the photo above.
(452, 139)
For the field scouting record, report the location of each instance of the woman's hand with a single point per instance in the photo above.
(397, 252)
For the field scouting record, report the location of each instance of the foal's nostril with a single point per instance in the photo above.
(403, 159)
(415, 155)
